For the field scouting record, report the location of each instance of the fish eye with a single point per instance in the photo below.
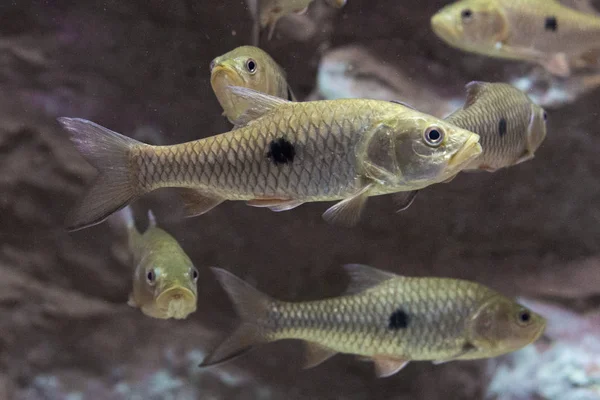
(194, 274)
(212, 65)
(433, 136)
(251, 65)
(466, 14)
(524, 317)
(151, 277)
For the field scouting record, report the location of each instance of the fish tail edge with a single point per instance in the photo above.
(252, 306)
(109, 153)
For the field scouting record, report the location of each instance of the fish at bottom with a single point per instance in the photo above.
(387, 318)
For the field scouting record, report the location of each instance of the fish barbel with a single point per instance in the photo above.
(384, 317)
(539, 31)
(164, 279)
(281, 155)
(250, 67)
(511, 127)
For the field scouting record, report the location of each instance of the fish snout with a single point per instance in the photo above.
(467, 152)
(177, 302)
(443, 26)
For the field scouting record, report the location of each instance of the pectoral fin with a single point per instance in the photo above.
(315, 354)
(276, 205)
(385, 366)
(348, 211)
(196, 203)
(131, 301)
(404, 200)
(467, 348)
(557, 64)
(257, 103)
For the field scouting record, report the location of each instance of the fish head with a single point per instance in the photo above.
(428, 150)
(174, 288)
(502, 325)
(536, 132)
(471, 25)
(245, 66)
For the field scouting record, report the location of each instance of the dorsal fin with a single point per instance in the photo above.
(363, 277)
(257, 103)
(474, 90)
(402, 103)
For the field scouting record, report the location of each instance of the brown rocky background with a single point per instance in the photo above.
(141, 67)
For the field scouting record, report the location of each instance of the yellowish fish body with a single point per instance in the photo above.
(539, 31)
(164, 279)
(250, 67)
(510, 125)
(387, 318)
(283, 154)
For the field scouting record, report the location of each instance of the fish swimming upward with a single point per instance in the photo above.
(250, 67)
(539, 31)
(283, 154)
(164, 279)
(266, 13)
(384, 317)
(510, 125)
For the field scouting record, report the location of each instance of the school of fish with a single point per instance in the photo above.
(359, 142)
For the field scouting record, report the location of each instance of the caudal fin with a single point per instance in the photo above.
(252, 306)
(108, 151)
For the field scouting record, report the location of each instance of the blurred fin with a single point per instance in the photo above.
(258, 103)
(315, 354)
(151, 219)
(348, 211)
(385, 366)
(197, 203)
(363, 277)
(557, 64)
(404, 200)
(108, 151)
(467, 348)
(474, 91)
(252, 307)
(336, 3)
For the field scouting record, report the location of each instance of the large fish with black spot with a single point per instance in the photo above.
(538, 31)
(387, 318)
(281, 155)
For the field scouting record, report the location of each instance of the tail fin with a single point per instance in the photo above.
(252, 306)
(108, 151)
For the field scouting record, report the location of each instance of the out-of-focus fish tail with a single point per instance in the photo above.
(109, 152)
(252, 306)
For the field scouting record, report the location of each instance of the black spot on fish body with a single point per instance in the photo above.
(281, 151)
(398, 320)
(551, 24)
(502, 127)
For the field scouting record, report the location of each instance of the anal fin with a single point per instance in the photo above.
(315, 354)
(197, 203)
(348, 211)
(386, 366)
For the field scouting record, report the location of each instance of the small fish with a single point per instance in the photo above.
(164, 279)
(510, 125)
(281, 155)
(250, 67)
(539, 31)
(384, 317)
(266, 13)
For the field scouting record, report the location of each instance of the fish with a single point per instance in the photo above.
(544, 32)
(164, 279)
(266, 13)
(354, 71)
(281, 155)
(387, 318)
(510, 125)
(250, 67)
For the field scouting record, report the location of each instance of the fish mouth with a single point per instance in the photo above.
(223, 76)
(469, 150)
(177, 302)
(442, 26)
